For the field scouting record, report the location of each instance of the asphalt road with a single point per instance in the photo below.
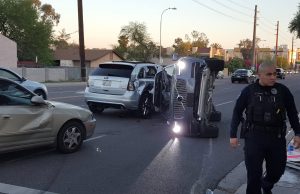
(132, 155)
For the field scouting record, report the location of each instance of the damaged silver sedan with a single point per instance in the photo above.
(27, 120)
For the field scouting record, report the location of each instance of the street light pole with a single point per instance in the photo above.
(173, 8)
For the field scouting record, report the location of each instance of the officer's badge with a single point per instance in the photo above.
(274, 91)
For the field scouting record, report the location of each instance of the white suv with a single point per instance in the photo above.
(122, 84)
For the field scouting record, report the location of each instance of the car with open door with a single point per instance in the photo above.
(122, 85)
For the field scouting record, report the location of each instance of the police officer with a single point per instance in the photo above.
(266, 104)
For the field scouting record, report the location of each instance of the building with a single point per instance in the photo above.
(8, 52)
(93, 57)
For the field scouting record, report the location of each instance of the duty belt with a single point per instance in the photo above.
(266, 129)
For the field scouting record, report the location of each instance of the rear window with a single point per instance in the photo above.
(278, 70)
(114, 70)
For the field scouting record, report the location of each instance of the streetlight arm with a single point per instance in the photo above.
(173, 8)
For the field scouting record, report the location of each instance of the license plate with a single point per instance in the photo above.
(106, 83)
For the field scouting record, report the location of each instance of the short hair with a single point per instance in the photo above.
(265, 66)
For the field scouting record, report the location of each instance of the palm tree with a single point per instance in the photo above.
(294, 25)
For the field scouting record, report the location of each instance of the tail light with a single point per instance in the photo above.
(130, 86)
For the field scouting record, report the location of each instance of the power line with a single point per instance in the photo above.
(235, 10)
(219, 12)
(242, 6)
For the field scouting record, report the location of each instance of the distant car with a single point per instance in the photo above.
(280, 73)
(220, 75)
(243, 75)
(36, 87)
(28, 121)
(123, 85)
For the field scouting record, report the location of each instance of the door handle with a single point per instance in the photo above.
(6, 116)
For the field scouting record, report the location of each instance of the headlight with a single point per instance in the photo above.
(176, 128)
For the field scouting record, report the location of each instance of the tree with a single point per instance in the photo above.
(216, 45)
(122, 48)
(183, 48)
(30, 25)
(135, 43)
(245, 47)
(235, 63)
(294, 25)
(61, 41)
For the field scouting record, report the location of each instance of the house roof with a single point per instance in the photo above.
(73, 54)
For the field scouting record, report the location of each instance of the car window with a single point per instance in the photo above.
(13, 94)
(115, 70)
(151, 72)
(9, 75)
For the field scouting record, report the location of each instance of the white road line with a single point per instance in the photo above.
(93, 138)
(224, 103)
(13, 189)
(65, 97)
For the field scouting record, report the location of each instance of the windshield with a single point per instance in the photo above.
(240, 71)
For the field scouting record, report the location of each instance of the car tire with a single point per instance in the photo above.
(70, 137)
(232, 81)
(41, 93)
(95, 108)
(145, 106)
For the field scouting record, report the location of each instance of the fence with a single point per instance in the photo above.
(49, 74)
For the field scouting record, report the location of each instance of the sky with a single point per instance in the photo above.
(223, 21)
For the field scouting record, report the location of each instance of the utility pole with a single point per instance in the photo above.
(276, 47)
(292, 51)
(81, 41)
(254, 39)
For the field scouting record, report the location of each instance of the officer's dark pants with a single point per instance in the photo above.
(260, 146)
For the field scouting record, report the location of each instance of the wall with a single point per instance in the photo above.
(51, 74)
(8, 52)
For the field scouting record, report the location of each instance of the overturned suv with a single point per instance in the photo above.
(184, 91)
(123, 85)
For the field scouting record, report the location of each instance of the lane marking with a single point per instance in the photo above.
(64, 91)
(12, 189)
(93, 138)
(224, 103)
(65, 97)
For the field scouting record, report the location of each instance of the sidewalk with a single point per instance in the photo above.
(235, 181)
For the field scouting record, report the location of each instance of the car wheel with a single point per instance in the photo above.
(95, 108)
(70, 137)
(145, 106)
(232, 81)
(41, 93)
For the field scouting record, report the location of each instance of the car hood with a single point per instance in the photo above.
(70, 111)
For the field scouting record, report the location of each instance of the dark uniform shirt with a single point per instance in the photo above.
(242, 103)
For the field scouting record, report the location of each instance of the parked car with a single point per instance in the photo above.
(220, 75)
(122, 84)
(36, 87)
(280, 73)
(241, 75)
(28, 121)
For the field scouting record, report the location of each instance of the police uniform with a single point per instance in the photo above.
(265, 109)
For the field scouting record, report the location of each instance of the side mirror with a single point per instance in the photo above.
(38, 100)
(23, 79)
